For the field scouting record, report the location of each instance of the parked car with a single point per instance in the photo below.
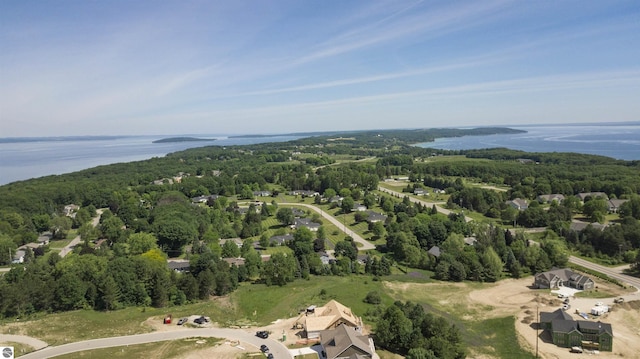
(560, 295)
(566, 301)
(262, 334)
(269, 356)
(264, 348)
(575, 350)
(566, 307)
(201, 320)
(182, 321)
(619, 300)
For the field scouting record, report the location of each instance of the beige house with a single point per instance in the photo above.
(330, 316)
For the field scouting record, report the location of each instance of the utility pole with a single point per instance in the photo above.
(537, 328)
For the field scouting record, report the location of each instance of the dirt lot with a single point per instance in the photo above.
(513, 297)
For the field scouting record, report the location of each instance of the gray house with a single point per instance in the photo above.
(563, 278)
(345, 342)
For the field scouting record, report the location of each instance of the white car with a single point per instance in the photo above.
(599, 304)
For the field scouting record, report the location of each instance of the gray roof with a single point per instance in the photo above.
(546, 317)
(336, 341)
(564, 326)
(596, 326)
(306, 222)
(435, 251)
(179, 265)
(580, 226)
(281, 239)
(376, 217)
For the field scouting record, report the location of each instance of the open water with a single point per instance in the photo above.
(30, 159)
(616, 141)
(24, 160)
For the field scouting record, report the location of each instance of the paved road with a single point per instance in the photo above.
(364, 244)
(424, 203)
(611, 272)
(37, 344)
(245, 336)
(69, 247)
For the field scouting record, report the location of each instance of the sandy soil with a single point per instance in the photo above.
(513, 297)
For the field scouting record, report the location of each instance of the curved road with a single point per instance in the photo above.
(611, 272)
(364, 244)
(424, 203)
(275, 347)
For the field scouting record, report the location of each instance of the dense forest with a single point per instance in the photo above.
(187, 204)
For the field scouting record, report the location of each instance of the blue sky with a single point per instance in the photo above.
(229, 67)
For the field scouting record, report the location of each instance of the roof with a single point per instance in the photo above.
(376, 217)
(305, 222)
(336, 341)
(596, 326)
(546, 317)
(551, 197)
(234, 261)
(435, 251)
(564, 326)
(329, 314)
(584, 195)
(281, 239)
(579, 226)
(179, 265)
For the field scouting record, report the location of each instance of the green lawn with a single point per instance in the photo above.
(263, 304)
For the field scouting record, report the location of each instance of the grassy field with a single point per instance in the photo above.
(262, 304)
(259, 304)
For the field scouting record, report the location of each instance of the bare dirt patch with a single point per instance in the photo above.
(513, 297)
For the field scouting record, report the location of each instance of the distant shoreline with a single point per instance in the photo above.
(183, 139)
(299, 134)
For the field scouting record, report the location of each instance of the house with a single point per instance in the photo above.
(420, 192)
(304, 193)
(470, 241)
(614, 204)
(204, 199)
(435, 251)
(18, 257)
(44, 238)
(579, 226)
(238, 241)
(336, 199)
(70, 210)
(566, 332)
(376, 217)
(585, 195)
(326, 258)
(548, 198)
(297, 212)
(234, 261)
(281, 240)
(519, 204)
(346, 342)
(330, 316)
(563, 278)
(306, 222)
(357, 207)
(179, 265)
(262, 193)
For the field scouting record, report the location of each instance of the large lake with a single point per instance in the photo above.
(616, 141)
(24, 160)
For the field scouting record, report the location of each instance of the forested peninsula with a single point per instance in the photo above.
(240, 218)
(183, 139)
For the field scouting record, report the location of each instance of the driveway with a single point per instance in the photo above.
(246, 336)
